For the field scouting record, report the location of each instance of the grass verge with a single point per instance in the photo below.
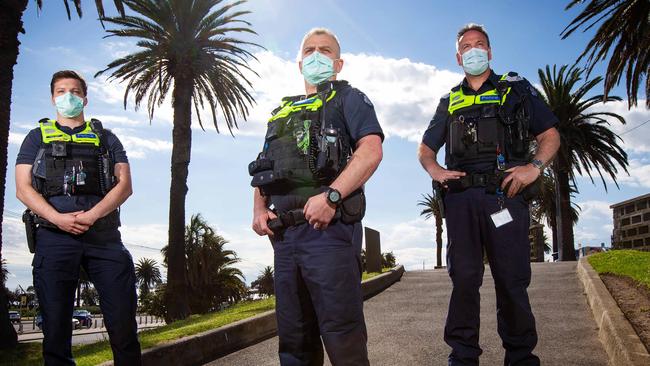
(366, 275)
(96, 353)
(630, 263)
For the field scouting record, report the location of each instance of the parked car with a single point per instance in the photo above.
(14, 317)
(39, 322)
(85, 318)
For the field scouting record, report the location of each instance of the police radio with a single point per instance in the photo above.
(328, 161)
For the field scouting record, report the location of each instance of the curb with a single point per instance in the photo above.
(208, 346)
(622, 344)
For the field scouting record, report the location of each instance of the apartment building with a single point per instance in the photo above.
(632, 223)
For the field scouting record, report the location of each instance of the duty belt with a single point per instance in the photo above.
(490, 181)
(108, 221)
(291, 218)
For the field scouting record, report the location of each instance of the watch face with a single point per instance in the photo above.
(334, 196)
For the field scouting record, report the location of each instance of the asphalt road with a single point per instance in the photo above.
(405, 322)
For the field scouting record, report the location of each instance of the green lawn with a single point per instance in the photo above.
(366, 275)
(631, 263)
(95, 353)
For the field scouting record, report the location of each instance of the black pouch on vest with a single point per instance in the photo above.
(353, 208)
(456, 132)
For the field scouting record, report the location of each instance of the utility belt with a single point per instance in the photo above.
(351, 210)
(33, 221)
(492, 183)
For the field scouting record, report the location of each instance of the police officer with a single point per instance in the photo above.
(73, 175)
(320, 148)
(485, 123)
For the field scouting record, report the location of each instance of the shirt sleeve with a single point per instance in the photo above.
(541, 116)
(436, 134)
(29, 148)
(360, 116)
(116, 148)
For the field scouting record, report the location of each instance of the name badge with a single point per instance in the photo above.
(501, 218)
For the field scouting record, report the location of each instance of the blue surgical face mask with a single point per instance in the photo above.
(317, 68)
(69, 105)
(475, 61)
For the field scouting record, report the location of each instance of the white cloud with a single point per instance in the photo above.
(16, 138)
(138, 147)
(405, 93)
(596, 210)
(634, 141)
(639, 176)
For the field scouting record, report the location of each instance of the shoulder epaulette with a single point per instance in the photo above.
(43, 120)
(512, 76)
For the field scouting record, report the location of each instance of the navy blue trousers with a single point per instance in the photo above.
(318, 295)
(110, 268)
(470, 230)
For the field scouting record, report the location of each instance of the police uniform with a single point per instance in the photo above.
(485, 133)
(317, 272)
(72, 169)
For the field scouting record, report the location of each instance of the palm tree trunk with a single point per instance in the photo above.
(564, 222)
(553, 223)
(11, 13)
(176, 294)
(438, 241)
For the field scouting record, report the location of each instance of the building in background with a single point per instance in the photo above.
(632, 223)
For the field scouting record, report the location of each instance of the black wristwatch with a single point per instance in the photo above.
(538, 164)
(333, 196)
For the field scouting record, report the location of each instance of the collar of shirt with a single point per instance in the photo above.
(489, 84)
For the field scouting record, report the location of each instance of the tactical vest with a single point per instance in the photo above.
(481, 129)
(292, 161)
(76, 164)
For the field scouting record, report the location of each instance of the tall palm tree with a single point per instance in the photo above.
(82, 284)
(544, 206)
(433, 209)
(187, 48)
(4, 272)
(147, 275)
(264, 282)
(211, 278)
(11, 24)
(623, 36)
(587, 143)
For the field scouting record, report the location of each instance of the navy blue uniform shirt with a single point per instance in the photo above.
(353, 114)
(29, 150)
(541, 117)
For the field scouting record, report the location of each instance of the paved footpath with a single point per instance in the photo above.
(406, 321)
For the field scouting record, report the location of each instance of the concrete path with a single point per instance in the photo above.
(405, 322)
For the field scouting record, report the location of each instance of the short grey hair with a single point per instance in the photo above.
(316, 32)
(472, 26)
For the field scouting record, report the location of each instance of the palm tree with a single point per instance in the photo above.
(586, 141)
(186, 47)
(82, 284)
(626, 23)
(264, 282)
(433, 209)
(544, 207)
(147, 275)
(11, 24)
(388, 260)
(4, 272)
(211, 278)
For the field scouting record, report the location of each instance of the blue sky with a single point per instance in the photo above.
(401, 56)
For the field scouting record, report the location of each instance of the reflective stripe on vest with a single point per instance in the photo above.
(458, 99)
(312, 104)
(50, 132)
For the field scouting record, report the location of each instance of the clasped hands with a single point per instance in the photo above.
(76, 223)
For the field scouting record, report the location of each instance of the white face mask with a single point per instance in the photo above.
(69, 105)
(475, 61)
